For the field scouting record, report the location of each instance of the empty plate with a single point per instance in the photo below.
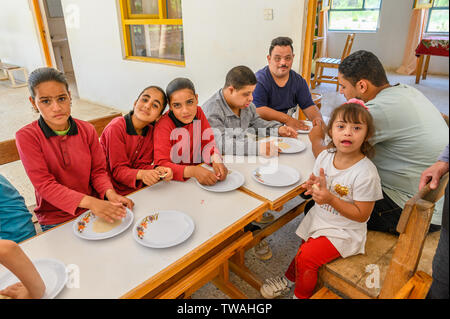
(276, 175)
(162, 229)
(53, 273)
(233, 181)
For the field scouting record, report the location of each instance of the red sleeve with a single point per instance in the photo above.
(99, 175)
(33, 160)
(113, 141)
(208, 142)
(163, 147)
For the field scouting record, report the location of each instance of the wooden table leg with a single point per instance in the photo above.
(425, 69)
(419, 68)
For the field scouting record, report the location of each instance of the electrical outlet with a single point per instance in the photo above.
(268, 14)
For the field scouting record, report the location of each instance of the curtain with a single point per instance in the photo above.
(417, 27)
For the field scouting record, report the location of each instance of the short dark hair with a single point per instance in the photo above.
(164, 101)
(45, 74)
(363, 65)
(240, 76)
(179, 84)
(282, 42)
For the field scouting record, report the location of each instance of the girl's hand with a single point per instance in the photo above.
(165, 173)
(205, 176)
(320, 193)
(16, 291)
(107, 210)
(309, 183)
(318, 130)
(220, 170)
(116, 198)
(287, 131)
(148, 176)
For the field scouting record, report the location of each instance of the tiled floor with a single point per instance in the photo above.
(14, 107)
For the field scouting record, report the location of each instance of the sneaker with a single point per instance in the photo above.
(262, 250)
(274, 287)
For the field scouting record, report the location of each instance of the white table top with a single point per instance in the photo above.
(303, 162)
(112, 267)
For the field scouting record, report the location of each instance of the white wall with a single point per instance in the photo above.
(19, 42)
(218, 35)
(390, 40)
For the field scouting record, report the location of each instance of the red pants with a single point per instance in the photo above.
(303, 269)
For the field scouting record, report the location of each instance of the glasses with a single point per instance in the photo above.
(287, 58)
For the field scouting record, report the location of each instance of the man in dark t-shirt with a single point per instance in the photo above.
(280, 89)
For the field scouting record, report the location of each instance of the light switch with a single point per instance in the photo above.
(268, 14)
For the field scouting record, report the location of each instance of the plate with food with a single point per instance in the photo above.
(88, 226)
(233, 181)
(276, 175)
(290, 145)
(163, 229)
(310, 126)
(52, 271)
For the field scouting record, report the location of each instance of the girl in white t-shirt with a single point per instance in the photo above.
(344, 185)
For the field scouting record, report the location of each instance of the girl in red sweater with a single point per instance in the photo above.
(128, 144)
(184, 138)
(63, 157)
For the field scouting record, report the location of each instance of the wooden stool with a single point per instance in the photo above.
(8, 70)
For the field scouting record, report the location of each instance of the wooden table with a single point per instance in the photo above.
(119, 267)
(276, 197)
(428, 46)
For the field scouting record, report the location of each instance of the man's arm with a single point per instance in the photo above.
(270, 114)
(434, 173)
(312, 112)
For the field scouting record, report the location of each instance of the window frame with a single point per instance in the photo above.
(430, 10)
(128, 19)
(352, 10)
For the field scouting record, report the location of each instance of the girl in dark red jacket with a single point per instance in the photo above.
(63, 157)
(128, 144)
(184, 138)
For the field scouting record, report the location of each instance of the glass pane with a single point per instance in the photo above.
(354, 20)
(347, 4)
(373, 4)
(158, 41)
(174, 9)
(438, 21)
(144, 6)
(440, 3)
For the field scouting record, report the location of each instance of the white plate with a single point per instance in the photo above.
(233, 181)
(53, 273)
(87, 220)
(276, 175)
(309, 123)
(290, 145)
(162, 229)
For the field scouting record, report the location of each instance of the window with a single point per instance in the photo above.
(438, 17)
(354, 15)
(153, 30)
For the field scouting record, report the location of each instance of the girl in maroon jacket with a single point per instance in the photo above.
(184, 138)
(128, 144)
(63, 157)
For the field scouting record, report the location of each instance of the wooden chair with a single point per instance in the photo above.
(325, 62)
(8, 70)
(390, 262)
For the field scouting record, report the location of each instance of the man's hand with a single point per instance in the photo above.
(433, 174)
(296, 124)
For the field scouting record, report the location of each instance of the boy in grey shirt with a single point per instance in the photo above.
(232, 115)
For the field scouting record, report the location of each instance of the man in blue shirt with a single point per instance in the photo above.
(15, 219)
(279, 89)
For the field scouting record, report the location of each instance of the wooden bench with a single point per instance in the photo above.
(9, 70)
(9, 153)
(390, 261)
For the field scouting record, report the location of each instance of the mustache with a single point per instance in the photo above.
(283, 66)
